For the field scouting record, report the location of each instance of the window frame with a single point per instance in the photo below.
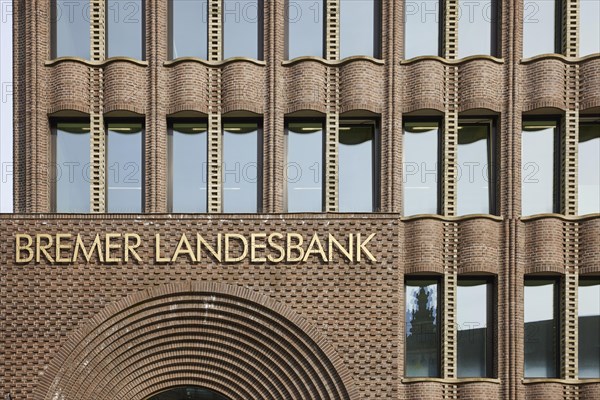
(287, 31)
(495, 33)
(377, 30)
(558, 29)
(440, 35)
(589, 119)
(260, 40)
(143, 28)
(583, 278)
(170, 34)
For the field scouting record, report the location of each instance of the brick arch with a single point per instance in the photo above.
(228, 339)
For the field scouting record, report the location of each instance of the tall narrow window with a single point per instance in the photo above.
(422, 28)
(242, 28)
(589, 327)
(71, 142)
(304, 166)
(589, 28)
(477, 28)
(475, 328)
(124, 167)
(188, 28)
(71, 28)
(359, 28)
(422, 345)
(475, 165)
(421, 167)
(188, 161)
(541, 328)
(241, 167)
(125, 28)
(357, 166)
(305, 26)
(541, 27)
(589, 165)
(539, 147)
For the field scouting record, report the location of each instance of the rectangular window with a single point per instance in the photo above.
(421, 167)
(477, 28)
(422, 344)
(125, 28)
(475, 333)
(360, 21)
(541, 27)
(539, 150)
(304, 166)
(188, 28)
(541, 328)
(475, 186)
(305, 28)
(71, 152)
(422, 28)
(589, 165)
(242, 28)
(71, 28)
(188, 167)
(124, 167)
(357, 166)
(242, 143)
(589, 28)
(589, 327)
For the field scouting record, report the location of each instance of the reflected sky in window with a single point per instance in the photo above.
(472, 323)
(124, 168)
(475, 34)
(540, 329)
(589, 328)
(422, 28)
(189, 27)
(358, 22)
(589, 27)
(589, 167)
(356, 167)
(539, 27)
(125, 26)
(72, 156)
(242, 25)
(305, 28)
(72, 29)
(473, 189)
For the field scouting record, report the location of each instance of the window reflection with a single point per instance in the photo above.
(124, 167)
(124, 28)
(421, 169)
(541, 329)
(422, 328)
(359, 28)
(539, 142)
(422, 28)
(189, 28)
(305, 28)
(71, 28)
(241, 167)
(589, 165)
(188, 393)
(589, 328)
(304, 166)
(242, 28)
(589, 28)
(476, 28)
(541, 31)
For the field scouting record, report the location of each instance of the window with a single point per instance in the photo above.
(188, 28)
(124, 167)
(422, 345)
(188, 167)
(357, 166)
(475, 333)
(539, 150)
(304, 166)
(589, 29)
(71, 152)
(541, 27)
(477, 27)
(125, 28)
(475, 168)
(188, 393)
(242, 142)
(541, 328)
(71, 28)
(305, 28)
(422, 28)
(360, 21)
(242, 28)
(589, 327)
(589, 165)
(421, 167)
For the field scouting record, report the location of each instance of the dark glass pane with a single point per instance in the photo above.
(589, 328)
(72, 28)
(359, 20)
(241, 26)
(473, 169)
(422, 329)
(356, 167)
(241, 173)
(422, 28)
(538, 143)
(589, 167)
(124, 168)
(72, 154)
(188, 393)
(589, 31)
(304, 167)
(421, 171)
(189, 165)
(475, 35)
(472, 328)
(541, 329)
(124, 28)
(189, 27)
(539, 27)
(305, 28)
